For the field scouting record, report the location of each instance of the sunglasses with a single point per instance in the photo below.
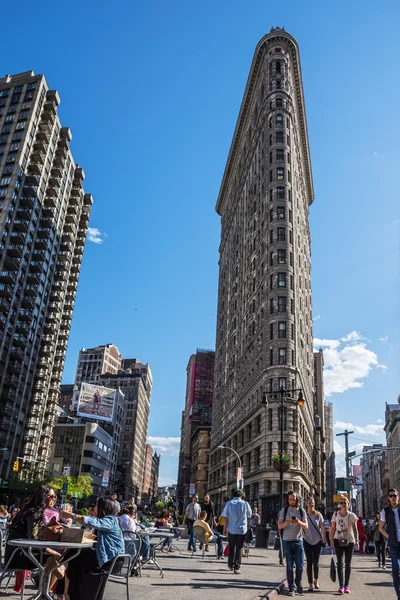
(393, 495)
(342, 502)
(51, 497)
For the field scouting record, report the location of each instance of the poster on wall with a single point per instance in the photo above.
(96, 402)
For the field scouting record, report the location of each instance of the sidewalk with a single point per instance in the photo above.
(194, 578)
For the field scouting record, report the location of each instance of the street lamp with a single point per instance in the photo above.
(284, 397)
(241, 480)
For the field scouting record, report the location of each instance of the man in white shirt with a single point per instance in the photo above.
(192, 513)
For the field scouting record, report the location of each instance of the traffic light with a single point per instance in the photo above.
(16, 466)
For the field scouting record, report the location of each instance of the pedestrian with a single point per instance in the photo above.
(292, 523)
(113, 498)
(327, 524)
(344, 537)
(208, 506)
(361, 534)
(313, 540)
(236, 513)
(389, 526)
(380, 542)
(192, 513)
(255, 520)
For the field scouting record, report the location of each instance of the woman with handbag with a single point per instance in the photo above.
(313, 539)
(343, 534)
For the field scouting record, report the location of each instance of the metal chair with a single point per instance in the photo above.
(10, 572)
(120, 573)
(201, 536)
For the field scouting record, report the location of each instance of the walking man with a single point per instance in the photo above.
(389, 526)
(208, 507)
(292, 524)
(236, 513)
(191, 515)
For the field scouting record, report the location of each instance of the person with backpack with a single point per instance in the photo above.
(389, 526)
(292, 523)
(314, 539)
(344, 537)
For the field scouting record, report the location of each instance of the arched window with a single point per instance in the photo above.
(279, 120)
(278, 66)
(270, 121)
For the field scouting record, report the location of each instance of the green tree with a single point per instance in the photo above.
(159, 505)
(80, 487)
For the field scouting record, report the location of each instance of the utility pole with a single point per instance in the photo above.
(346, 445)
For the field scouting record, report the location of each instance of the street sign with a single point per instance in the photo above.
(351, 454)
(67, 470)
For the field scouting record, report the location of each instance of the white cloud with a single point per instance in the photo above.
(94, 235)
(383, 367)
(166, 481)
(317, 318)
(384, 339)
(371, 429)
(169, 446)
(340, 462)
(347, 361)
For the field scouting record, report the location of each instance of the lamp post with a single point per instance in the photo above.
(283, 396)
(240, 464)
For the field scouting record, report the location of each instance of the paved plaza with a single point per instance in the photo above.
(195, 579)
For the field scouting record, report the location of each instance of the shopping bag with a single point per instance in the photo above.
(333, 568)
(226, 550)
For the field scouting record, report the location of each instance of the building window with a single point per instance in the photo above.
(282, 356)
(282, 329)
(271, 305)
(278, 85)
(278, 66)
(271, 215)
(281, 280)
(280, 173)
(271, 331)
(271, 175)
(281, 212)
(280, 154)
(271, 356)
(279, 103)
(279, 137)
(282, 383)
(279, 120)
(280, 193)
(282, 304)
(281, 233)
(271, 258)
(281, 257)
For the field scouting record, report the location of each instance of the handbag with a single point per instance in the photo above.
(332, 572)
(51, 533)
(343, 543)
(226, 550)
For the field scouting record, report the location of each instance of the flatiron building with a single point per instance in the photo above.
(264, 321)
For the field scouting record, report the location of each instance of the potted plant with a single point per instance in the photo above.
(281, 461)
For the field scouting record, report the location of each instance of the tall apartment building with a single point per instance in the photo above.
(136, 388)
(148, 464)
(44, 214)
(94, 362)
(330, 458)
(264, 321)
(196, 416)
(392, 457)
(371, 465)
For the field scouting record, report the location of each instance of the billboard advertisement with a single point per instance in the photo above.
(96, 402)
(357, 474)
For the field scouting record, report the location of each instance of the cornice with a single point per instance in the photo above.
(262, 46)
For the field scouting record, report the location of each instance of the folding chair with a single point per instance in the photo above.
(201, 536)
(120, 571)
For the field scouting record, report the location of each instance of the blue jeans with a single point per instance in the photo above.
(217, 540)
(192, 535)
(294, 554)
(395, 556)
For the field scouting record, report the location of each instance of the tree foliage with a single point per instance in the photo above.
(81, 486)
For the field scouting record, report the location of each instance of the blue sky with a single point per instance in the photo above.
(151, 92)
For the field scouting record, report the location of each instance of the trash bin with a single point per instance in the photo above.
(262, 536)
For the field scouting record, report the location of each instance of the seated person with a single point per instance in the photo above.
(211, 536)
(163, 521)
(128, 526)
(25, 525)
(87, 573)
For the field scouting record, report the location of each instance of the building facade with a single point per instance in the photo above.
(148, 463)
(196, 415)
(44, 214)
(264, 320)
(319, 456)
(392, 430)
(155, 472)
(371, 469)
(200, 450)
(94, 362)
(136, 388)
(330, 458)
(82, 448)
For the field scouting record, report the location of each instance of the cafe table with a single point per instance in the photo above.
(156, 533)
(28, 546)
(173, 530)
